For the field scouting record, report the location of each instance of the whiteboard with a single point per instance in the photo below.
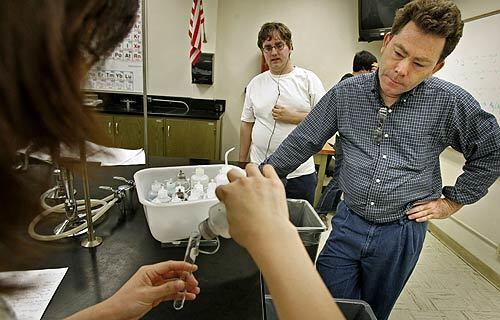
(475, 63)
(122, 71)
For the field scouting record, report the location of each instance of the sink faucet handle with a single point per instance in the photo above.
(128, 102)
(107, 188)
(129, 182)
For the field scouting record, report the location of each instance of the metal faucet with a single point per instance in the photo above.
(123, 193)
(128, 102)
(65, 190)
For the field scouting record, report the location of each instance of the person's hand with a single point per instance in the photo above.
(286, 115)
(153, 284)
(435, 209)
(256, 204)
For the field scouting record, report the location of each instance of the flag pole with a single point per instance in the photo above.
(204, 35)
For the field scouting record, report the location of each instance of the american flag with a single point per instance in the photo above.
(195, 24)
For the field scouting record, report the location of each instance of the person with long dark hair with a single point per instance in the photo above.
(47, 48)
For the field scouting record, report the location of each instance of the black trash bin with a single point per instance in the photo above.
(352, 309)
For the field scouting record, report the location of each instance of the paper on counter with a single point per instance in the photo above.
(118, 156)
(104, 155)
(30, 303)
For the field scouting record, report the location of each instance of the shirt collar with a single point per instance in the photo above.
(375, 87)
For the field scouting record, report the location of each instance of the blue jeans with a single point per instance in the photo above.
(302, 187)
(369, 261)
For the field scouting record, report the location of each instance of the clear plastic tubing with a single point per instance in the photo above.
(192, 251)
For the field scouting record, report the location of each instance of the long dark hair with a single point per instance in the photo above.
(47, 49)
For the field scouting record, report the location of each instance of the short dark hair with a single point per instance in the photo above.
(438, 17)
(267, 30)
(363, 60)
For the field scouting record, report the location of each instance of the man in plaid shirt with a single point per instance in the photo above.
(393, 126)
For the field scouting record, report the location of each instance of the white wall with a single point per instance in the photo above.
(483, 216)
(169, 67)
(472, 8)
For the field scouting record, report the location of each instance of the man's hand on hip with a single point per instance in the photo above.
(435, 209)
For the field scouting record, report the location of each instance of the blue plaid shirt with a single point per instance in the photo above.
(382, 180)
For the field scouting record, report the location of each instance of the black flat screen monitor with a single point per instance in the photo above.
(375, 17)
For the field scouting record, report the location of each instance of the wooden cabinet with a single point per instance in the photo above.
(106, 122)
(122, 131)
(129, 132)
(186, 138)
(167, 137)
(156, 136)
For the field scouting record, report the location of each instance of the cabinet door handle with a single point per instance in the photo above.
(116, 127)
(168, 131)
(109, 128)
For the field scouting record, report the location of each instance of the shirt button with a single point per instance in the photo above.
(386, 135)
(390, 110)
(377, 181)
(384, 156)
(372, 203)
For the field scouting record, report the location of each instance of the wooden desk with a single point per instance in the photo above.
(320, 158)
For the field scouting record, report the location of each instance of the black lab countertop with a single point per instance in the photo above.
(229, 280)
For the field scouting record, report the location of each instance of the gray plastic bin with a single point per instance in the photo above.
(309, 225)
(352, 309)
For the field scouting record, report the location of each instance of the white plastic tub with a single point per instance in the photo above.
(173, 221)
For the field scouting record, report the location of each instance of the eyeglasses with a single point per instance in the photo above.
(279, 46)
(379, 130)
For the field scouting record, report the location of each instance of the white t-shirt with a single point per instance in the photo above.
(299, 90)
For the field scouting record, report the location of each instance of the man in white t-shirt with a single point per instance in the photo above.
(276, 101)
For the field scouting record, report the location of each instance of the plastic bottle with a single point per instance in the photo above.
(155, 187)
(200, 177)
(170, 185)
(162, 196)
(216, 223)
(196, 192)
(221, 177)
(211, 189)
